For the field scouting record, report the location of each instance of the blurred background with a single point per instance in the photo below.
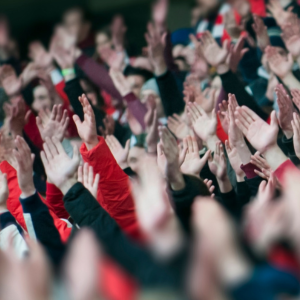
(38, 17)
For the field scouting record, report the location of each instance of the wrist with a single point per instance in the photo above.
(160, 67)
(66, 185)
(274, 156)
(177, 182)
(28, 191)
(224, 184)
(91, 143)
(240, 177)
(288, 133)
(288, 77)
(222, 68)
(211, 142)
(123, 165)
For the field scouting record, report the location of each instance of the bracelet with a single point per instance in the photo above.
(67, 72)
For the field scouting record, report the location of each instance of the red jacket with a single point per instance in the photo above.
(15, 207)
(114, 193)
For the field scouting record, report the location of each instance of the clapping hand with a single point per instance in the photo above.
(53, 124)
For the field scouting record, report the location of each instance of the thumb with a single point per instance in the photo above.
(77, 120)
(274, 120)
(207, 156)
(127, 146)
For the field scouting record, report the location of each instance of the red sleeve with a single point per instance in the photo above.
(54, 198)
(32, 132)
(15, 207)
(114, 193)
(258, 7)
(221, 134)
(285, 167)
(59, 87)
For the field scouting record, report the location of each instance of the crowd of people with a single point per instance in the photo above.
(168, 175)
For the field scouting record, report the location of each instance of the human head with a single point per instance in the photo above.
(151, 88)
(136, 78)
(103, 40)
(76, 22)
(91, 92)
(41, 99)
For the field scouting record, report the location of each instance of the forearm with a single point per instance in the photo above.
(224, 185)
(291, 81)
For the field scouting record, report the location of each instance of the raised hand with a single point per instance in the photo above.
(159, 13)
(280, 15)
(261, 32)
(120, 154)
(11, 84)
(3, 190)
(59, 167)
(86, 177)
(235, 161)
(296, 97)
(155, 49)
(286, 110)
(217, 164)
(120, 82)
(204, 125)
(178, 127)
(291, 36)
(296, 131)
(168, 159)
(279, 65)
(212, 52)
(87, 129)
(192, 163)
(39, 55)
(236, 53)
(24, 167)
(29, 73)
(53, 124)
(261, 135)
(16, 116)
(264, 168)
(154, 211)
(210, 186)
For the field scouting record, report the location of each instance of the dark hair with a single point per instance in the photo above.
(129, 70)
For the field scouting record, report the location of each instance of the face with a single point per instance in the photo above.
(102, 42)
(42, 99)
(136, 82)
(136, 155)
(90, 92)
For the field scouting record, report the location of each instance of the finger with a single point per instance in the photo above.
(80, 174)
(59, 147)
(91, 176)
(85, 174)
(52, 148)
